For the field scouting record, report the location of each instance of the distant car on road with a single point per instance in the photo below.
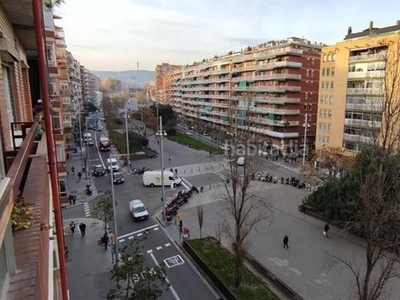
(118, 178)
(240, 161)
(138, 210)
(98, 170)
(90, 141)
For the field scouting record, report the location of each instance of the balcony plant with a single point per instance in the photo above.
(21, 216)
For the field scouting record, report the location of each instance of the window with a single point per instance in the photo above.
(324, 58)
(332, 85)
(328, 127)
(312, 73)
(60, 153)
(63, 186)
(328, 71)
(322, 85)
(330, 113)
(322, 99)
(321, 112)
(333, 57)
(8, 93)
(333, 71)
(325, 113)
(313, 61)
(323, 72)
(330, 57)
(330, 99)
(309, 106)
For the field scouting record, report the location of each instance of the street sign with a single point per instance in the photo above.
(174, 261)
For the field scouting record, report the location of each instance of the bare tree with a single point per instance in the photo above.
(200, 217)
(103, 208)
(375, 217)
(390, 128)
(219, 229)
(334, 159)
(246, 209)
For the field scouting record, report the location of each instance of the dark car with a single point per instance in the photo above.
(118, 178)
(98, 170)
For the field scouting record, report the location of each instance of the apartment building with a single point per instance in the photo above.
(85, 83)
(268, 91)
(163, 83)
(60, 93)
(353, 86)
(75, 85)
(29, 258)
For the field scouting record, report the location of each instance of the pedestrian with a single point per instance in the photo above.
(74, 199)
(106, 239)
(171, 170)
(79, 176)
(73, 170)
(286, 242)
(71, 199)
(72, 226)
(112, 238)
(169, 157)
(179, 221)
(326, 229)
(82, 228)
(66, 252)
(176, 171)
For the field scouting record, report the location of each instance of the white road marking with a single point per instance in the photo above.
(295, 271)
(138, 231)
(279, 262)
(149, 251)
(139, 234)
(166, 278)
(155, 229)
(158, 248)
(121, 240)
(186, 186)
(131, 237)
(167, 244)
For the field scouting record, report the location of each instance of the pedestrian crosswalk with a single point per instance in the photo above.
(86, 208)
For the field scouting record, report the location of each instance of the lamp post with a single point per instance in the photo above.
(80, 132)
(127, 134)
(306, 126)
(114, 212)
(162, 133)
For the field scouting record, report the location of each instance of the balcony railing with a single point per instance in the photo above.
(379, 56)
(364, 91)
(358, 138)
(274, 133)
(362, 123)
(364, 107)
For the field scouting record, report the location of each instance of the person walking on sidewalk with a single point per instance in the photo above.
(286, 242)
(169, 157)
(74, 199)
(72, 226)
(106, 239)
(326, 229)
(73, 170)
(79, 176)
(82, 228)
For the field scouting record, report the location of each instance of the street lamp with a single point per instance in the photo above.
(162, 133)
(306, 125)
(113, 207)
(127, 134)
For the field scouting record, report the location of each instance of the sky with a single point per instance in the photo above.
(113, 35)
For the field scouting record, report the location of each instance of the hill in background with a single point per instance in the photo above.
(139, 77)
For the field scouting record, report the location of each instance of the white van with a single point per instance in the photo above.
(153, 178)
(112, 163)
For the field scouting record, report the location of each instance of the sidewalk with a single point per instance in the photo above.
(302, 266)
(76, 187)
(88, 264)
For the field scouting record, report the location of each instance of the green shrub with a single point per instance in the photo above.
(171, 131)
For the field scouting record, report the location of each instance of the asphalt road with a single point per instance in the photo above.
(157, 247)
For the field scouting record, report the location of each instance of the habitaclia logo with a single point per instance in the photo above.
(265, 149)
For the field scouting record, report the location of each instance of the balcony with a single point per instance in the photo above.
(244, 68)
(65, 92)
(32, 245)
(267, 110)
(269, 89)
(364, 91)
(376, 107)
(281, 123)
(362, 123)
(366, 75)
(276, 100)
(276, 134)
(278, 77)
(280, 51)
(358, 138)
(279, 64)
(371, 57)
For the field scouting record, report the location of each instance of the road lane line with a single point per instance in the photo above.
(121, 240)
(155, 229)
(186, 186)
(139, 234)
(131, 237)
(158, 248)
(149, 251)
(166, 278)
(138, 231)
(167, 244)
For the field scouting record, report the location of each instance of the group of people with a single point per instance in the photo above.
(82, 228)
(286, 238)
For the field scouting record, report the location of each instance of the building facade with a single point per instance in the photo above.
(355, 82)
(268, 91)
(163, 83)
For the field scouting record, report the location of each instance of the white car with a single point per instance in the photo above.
(112, 163)
(190, 133)
(138, 210)
(240, 161)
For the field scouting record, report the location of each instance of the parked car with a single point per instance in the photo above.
(240, 161)
(190, 133)
(98, 170)
(90, 141)
(118, 178)
(138, 210)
